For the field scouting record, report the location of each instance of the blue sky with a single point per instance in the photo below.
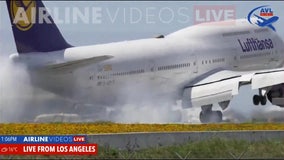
(116, 21)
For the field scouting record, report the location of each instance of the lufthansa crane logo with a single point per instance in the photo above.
(23, 13)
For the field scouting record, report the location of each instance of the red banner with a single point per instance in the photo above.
(48, 149)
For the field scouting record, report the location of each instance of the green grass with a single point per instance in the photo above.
(213, 148)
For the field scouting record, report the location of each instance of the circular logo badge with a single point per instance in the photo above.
(23, 12)
(263, 17)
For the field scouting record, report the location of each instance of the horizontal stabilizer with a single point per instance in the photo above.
(73, 65)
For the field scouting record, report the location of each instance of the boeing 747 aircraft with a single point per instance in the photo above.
(200, 65)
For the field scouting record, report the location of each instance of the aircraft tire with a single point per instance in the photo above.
(211, 117)
(263, 100)
(256, 99)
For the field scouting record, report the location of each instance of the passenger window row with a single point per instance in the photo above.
(122, 74)
(218, 60)
(175, 66)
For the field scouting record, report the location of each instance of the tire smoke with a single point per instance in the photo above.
(21, 102)
(14, 90)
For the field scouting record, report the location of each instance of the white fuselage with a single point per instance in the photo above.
(162, 67)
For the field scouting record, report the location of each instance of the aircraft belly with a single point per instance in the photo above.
(145, 87)
(60, 85)
(129, 89)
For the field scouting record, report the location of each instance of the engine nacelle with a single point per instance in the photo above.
(276, 95)
(202, 96)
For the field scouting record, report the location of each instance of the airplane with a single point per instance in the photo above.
(200, 65)
(266, 22)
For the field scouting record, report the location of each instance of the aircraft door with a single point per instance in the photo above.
(194, 63)
(236, 59)
(150, 69)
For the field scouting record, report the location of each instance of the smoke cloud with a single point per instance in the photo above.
(142, 105)
(21, 102)
(240, 110)
(14, 90)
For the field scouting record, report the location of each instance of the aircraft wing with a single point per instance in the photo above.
(73, 65)
(221, 86)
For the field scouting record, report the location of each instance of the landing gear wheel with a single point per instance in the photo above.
(259, 99)
(218, 116)
(256, 99)
(263, 100)
(203, 118)
(210, 116)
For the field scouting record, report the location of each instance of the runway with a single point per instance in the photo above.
(135, 141)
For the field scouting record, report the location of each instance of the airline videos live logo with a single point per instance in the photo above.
(50, 145)
(49, 149)
(79, 139)
(214, 13)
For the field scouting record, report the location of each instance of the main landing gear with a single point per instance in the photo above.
(261, 98)
(209, 116)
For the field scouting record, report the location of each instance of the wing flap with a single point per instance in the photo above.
(265, 79)
(223, 85)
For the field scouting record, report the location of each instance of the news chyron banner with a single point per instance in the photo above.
(46, 145)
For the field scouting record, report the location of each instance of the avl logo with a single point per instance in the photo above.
(213, 13)
(263, 16)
